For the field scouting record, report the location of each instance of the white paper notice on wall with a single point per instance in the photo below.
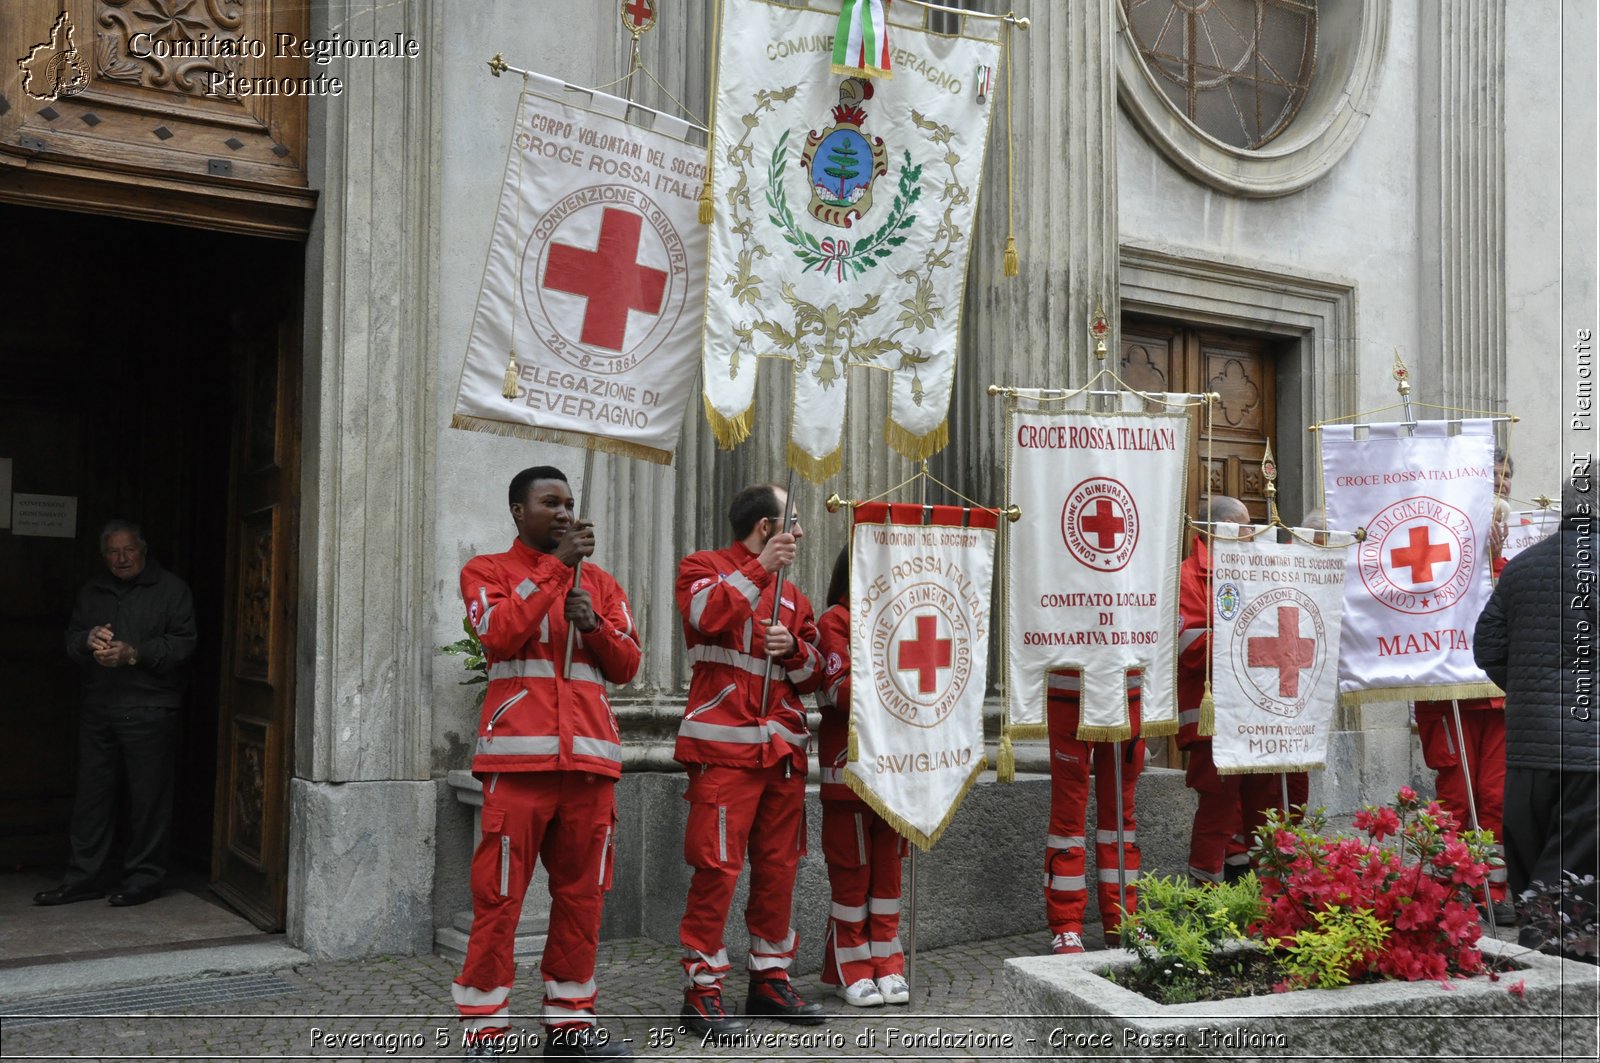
(55, 516)
(5, 493)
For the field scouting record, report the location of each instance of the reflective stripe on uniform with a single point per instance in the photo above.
(582, 745)
(849, 953)
(886, 948)
(1109, 837)
(525, 588)
(520, 745)
(1188, 716)
(883, 905)
(833, 775)
(752, 735)
(554, 1014)
(569, 990)
(849, 913)
(466, 996)
(1069, 883)
(1189, 637)
(536, 668)
(1062, 841)
(706, 654)
(1108, 875)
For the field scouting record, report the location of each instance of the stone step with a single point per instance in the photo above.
(451, 943)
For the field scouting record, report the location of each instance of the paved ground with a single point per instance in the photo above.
(399, 1008)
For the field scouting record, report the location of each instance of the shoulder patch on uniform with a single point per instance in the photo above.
(834, 664)
(701, 584)
(474, 612)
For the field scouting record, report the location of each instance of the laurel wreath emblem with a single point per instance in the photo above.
(838, 253)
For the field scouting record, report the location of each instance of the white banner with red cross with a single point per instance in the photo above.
(843, 217)
(1418, 580)
(1276, 611)
(1526, 527)
(594, 280)
(1092, 565)
(919, 652)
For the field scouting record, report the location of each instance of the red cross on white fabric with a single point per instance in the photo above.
(927, 654)
(638, 12)
(1286, 651)
(1420, 556)
(1103, 524)
(610, 277)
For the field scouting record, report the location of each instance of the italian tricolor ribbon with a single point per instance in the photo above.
(861, 45)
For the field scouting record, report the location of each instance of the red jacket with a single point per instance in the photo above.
(833, 698)
(1194, 643)
(533, 719)
(725, 597)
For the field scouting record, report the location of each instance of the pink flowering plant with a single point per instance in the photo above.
(1397, 904)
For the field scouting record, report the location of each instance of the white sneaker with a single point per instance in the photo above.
(894, 989)
(1066, 943)
(862, 993)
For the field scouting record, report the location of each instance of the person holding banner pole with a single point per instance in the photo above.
(548, 754)
(746, 758)
(862, 957)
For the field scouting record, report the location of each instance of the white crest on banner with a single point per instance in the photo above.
(593, 278)
(1092, 565)
(843, 215)
(1416, 584)
(919, 628)
(1276, 616)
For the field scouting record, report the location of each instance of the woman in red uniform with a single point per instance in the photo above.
(862, 957)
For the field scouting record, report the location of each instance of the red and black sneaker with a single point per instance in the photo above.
(703, 1013)
(776, 998)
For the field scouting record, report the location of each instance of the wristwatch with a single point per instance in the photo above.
(133, 659)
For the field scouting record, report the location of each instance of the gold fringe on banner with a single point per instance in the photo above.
(916, 447)
(730, 431)
(1023, 732)
(1123, 733)
(852, 747)
(557, 435)
(1005, 762)
(906, 830)
(815, 469)
(1270, 771)
(1158, 728)
(1441, 692)
(1208, 712)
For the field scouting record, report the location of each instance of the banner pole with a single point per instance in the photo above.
(1472, 800)
(577, 569)
(1283, 792)
(1122, 857)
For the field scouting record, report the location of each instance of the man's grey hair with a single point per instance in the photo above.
(1224, 508)
(1577, 496)
(119, 525)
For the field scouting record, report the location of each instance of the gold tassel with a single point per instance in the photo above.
(1208, 712)
(1013, 263)
(1005, 764)
(852, 753)
(705, 202)
(509, 388)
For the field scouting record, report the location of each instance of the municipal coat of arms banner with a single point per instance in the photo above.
(1418, 580)
(1276, 610)
(1092, 565)
(593, 286)
(919, 643)
(843, 212)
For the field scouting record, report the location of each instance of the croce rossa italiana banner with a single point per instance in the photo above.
(595, 278)
(1092, 565)
(919, 651)
(1416, 583)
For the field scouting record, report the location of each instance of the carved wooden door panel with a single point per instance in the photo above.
(255, 739)
(1160, 356)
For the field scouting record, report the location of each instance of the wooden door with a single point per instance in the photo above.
(255, 739)
(1163, 356)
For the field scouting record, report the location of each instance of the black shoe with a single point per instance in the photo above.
(129, 896)
(776, 998)
(703, 1014)
(1504, 914)
(67, 895)
(486, 1048)
(584, 1042)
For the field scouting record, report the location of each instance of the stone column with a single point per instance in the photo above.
(361, 803)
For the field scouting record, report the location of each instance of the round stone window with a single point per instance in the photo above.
(1238, 69)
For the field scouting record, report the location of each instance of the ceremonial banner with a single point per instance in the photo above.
(1092, 566)
(593, 279)
(1416, 584)
(1526, 527)
(1275, 611)
(919, 643)
(843, 212)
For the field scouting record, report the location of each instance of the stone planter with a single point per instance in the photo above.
(1065, 1008)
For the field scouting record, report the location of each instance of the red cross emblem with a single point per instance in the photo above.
(926, 654)
(638, 15)
(1420, 555)
(1105, 524)
(610, 278)
(1286, 651)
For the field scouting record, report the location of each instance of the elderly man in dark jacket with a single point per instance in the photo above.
(1536, 639)
(132, 633)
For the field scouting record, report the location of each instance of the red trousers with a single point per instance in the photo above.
(567, 819)
(731, 811)
(1065, 886)
(863, 854)
(1483, 738)
(1231, 810)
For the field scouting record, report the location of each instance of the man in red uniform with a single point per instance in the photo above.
(746, 759)
(548, 754)
(863, 956)
(1482, 738)
(1231, 807)
(1065, 884)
